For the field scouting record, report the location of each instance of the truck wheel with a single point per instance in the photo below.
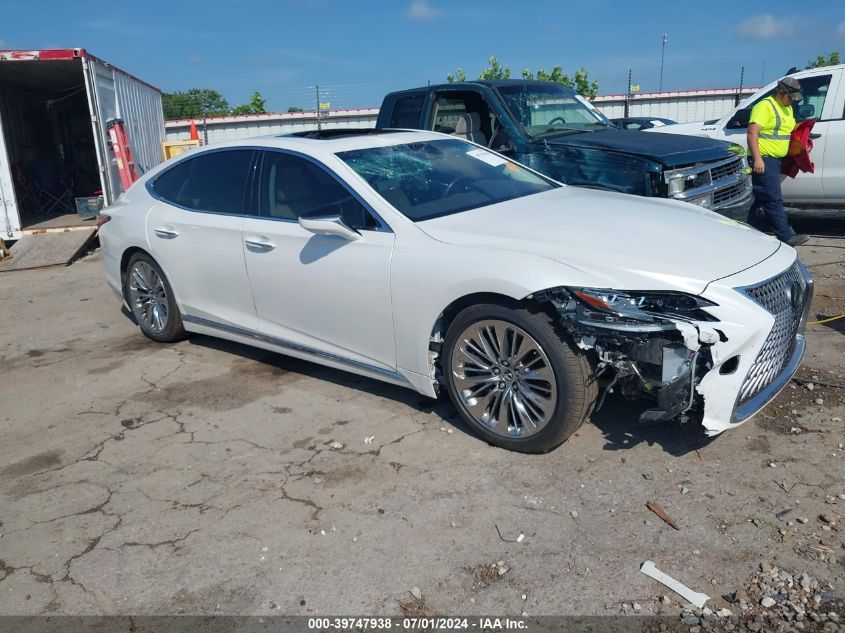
(151, 301)
(514, 380)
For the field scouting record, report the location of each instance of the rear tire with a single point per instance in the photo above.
(150, 299)
(514, 379)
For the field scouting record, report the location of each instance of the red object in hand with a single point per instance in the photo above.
(800, 146)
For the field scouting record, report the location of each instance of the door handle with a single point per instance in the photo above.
(815, 136)
(260, 244)
(166, 232)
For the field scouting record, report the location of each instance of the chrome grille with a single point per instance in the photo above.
(776, 296)
(723, 171)
(728, 195)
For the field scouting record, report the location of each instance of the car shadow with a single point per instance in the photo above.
(618, 419)
(442, 407)
(320, 246)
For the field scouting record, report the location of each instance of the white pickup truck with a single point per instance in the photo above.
(824, 98)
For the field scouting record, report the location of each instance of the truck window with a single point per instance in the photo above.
(407, 111)
(814, 90)
(480, 126)
(446, 113)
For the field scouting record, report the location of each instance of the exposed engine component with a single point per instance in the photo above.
(649, 345)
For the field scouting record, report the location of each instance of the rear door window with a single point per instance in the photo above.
(215, 182)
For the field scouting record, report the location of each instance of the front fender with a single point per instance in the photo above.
(425, 281)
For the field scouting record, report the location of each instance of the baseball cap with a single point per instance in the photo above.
(791, 86)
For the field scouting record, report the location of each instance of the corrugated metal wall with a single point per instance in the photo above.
(231, 128)
(683, 107)
(122, 96)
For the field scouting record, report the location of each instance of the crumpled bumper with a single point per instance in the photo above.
(762, 312)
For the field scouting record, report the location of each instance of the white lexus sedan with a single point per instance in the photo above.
(429, 262)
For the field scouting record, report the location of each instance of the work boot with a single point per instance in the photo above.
(797, 239)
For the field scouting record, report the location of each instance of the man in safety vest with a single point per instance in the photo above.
(769, 129)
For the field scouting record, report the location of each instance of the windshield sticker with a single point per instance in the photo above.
(486, 157)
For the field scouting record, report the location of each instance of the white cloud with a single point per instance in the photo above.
(422, 10)
(766, 27)
(3, 42)
(196, 60)
(841, 29)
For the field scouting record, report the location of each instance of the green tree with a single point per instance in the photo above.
(255, 105)
(194, 103)
(495, 70)
(457, 76)
(831, 60)
(580, 82)
(294, 109)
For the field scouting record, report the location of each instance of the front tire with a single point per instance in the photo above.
(514, 380)
(151, 300)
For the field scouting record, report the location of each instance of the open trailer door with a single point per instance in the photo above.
(10, 222)
(113, 94)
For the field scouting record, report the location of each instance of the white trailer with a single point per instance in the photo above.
(54, 143)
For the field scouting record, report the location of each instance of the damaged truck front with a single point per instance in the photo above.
(672, 349)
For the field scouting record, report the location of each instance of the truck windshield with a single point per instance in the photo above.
(551, 109)
(430, 179)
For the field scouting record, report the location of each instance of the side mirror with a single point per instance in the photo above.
(805, 111)
(328, 224)
(740, 119)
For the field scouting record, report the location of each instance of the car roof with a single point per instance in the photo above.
(334, 141)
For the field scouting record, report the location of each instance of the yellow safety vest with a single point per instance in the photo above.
(776, 122)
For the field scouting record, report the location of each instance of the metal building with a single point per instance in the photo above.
(237, 126)
(681, 106)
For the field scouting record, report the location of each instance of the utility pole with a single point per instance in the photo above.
(741, 81)
(665, 39)
(628, 94)
(319, 124)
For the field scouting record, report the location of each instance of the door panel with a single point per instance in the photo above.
(833, 168)
(322, 291)
(202, 256)
(194, 232)
(319, 291)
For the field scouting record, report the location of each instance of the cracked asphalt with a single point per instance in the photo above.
(211, 478)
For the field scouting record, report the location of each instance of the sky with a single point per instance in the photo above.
(358, 51)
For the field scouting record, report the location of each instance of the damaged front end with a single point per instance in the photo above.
(655, 345)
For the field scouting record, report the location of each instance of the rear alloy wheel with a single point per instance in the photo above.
(150, 299)
(513, 378)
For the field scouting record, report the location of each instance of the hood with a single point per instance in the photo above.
(612, 240)
(672, 150)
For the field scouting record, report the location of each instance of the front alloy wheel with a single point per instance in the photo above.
(513, 379)
(504, 378)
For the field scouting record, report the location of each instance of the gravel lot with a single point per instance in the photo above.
(211, 478)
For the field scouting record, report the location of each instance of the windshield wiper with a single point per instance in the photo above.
(557, 130)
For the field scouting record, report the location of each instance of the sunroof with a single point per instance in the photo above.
(323, 135)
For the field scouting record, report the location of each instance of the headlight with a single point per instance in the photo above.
(676, 185)
(643, 306)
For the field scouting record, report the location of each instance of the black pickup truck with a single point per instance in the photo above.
(559, 133)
